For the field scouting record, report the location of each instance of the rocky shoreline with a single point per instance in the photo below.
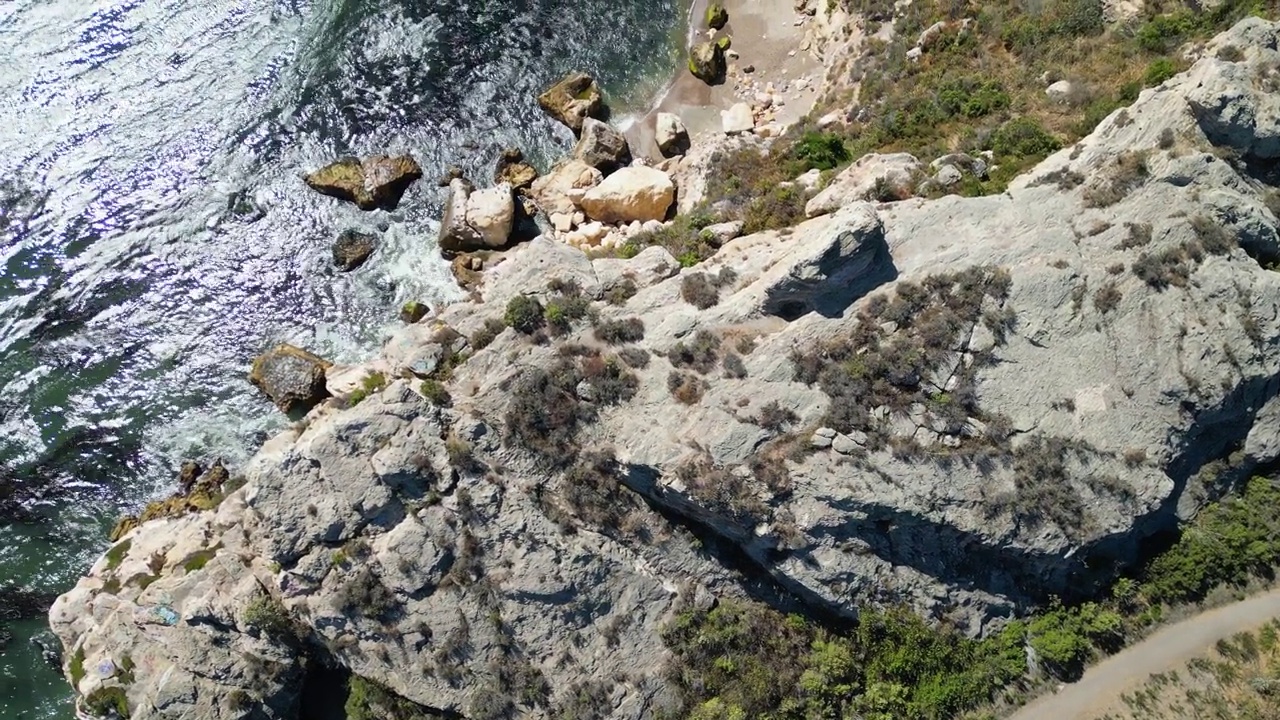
(963, 405)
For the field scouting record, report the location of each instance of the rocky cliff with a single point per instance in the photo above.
(966, 405)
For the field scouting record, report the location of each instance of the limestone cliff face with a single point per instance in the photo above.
(964, 404)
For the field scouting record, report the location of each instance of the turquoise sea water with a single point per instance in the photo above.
(155, 235)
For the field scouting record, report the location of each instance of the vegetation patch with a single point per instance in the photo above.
(369, 700)
(618, 332)
(700, 353)
(372, 383)
(565, 306)
(917, 364)
(268, 615)
(524, 314)
(546, 409)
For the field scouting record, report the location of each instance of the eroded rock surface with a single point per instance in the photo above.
(965, 404)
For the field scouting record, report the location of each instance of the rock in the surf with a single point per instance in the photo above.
(572, 100)
(352, 249)
(513, 170)
(291, 377)
(671, 135)
(377, 182)
(706, 62)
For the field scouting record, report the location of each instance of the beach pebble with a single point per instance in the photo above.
(764, 100)
(579, 218)
(737, 119)
(748, 68)
(791, 53)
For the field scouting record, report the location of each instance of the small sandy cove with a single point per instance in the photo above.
(766, 39)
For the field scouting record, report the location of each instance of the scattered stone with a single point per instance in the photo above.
(513, 170)
(843, 444)
(737, 119)
(413, 311)
(377, 182)
(1060, 91)
(720, 233)
(562, 222)
(572, 100)
(291, 377)
(352, 249)
(707, 63)
(671, 135)
(633, 194)
(602, 147)
(948, 175)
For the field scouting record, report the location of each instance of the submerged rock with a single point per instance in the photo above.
(291, 377)
(602, 147)
(352, 249)
(377, 182)
(572, 100)
(707, 63)
(513, 170)
(633, 194)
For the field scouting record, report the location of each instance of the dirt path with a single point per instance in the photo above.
(1167, 649)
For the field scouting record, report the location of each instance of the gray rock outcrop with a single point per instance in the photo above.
(476, 219)
(986, 413)
(671, 135)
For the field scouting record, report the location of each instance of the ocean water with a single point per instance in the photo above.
(155, 233)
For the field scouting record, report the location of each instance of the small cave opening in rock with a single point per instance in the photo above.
(324, 692)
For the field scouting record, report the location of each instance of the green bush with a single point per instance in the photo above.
(524, 314)
(972, 97)
(368, 700)
(1228, 541)
(268, 615)
(436, 393)
(1158, 71)
(821, 151)
(372, 383)
(1023, 137)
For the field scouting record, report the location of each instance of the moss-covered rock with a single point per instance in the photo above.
(717, 16)
(706, 62)
(378, 181)
(413, 311)
(572, 100)
(352, 249)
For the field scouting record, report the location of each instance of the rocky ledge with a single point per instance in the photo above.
(966, 405)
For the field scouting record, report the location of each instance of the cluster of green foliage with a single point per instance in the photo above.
(368, 700)
(684, 238)
(524, 314)
(372, 383)
(744, 660)
(268, 615)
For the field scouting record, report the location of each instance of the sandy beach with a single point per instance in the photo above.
(767, 36)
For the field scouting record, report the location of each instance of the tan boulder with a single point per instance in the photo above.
(629, 195)
(293, 378)
(378, 181)
(572, 100)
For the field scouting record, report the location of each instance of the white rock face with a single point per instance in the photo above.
(859, 181)
(492, 211)
(737, 119)
(630, 195)
(1060, 90)
(387, 549)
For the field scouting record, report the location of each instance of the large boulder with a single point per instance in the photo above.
(707, 63)
(737, 119)
(291, 377)
(514, 171)
(866, 179)
(629, 195)
(352, 249)
(476, 219)
(671, 135)
(377, 182)
(572, 100)
(559, 191)
(602, 147)
(492, 212)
